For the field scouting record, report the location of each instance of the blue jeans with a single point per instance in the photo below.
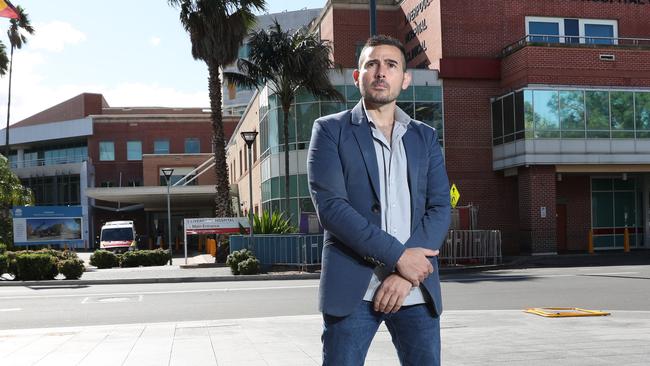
(415, 331)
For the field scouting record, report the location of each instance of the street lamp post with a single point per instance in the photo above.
(167, 172)
(249, 138)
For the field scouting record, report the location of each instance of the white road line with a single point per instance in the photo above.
(12, 309)
(236, 289)
(609, 274)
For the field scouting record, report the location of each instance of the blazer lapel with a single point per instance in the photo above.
(363, 135)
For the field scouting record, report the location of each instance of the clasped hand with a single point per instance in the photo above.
(414, 264)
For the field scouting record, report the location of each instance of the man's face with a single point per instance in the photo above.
(381, 74)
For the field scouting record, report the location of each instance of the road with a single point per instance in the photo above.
(603, 288)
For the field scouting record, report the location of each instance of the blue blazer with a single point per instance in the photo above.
(344, 186)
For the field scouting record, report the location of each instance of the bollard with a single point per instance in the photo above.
(200, 243)
(178, 243)
(591, 241)
(626, 241)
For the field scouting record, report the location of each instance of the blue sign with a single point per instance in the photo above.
(48, 225)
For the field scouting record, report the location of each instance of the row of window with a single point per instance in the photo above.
(571, 30)
(59, 190)
(423, 103)
(40, 157)
(543, 113)
(243, 162)
(134, 148)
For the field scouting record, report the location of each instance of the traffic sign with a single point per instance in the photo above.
(455, 195)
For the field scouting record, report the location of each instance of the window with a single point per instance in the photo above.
(106, 151)
(134, 150)
(561, 30)
(161, 147)
(192, 145)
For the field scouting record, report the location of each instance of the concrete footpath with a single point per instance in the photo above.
(469, 338)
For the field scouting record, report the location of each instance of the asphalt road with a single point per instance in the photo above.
(602, 288)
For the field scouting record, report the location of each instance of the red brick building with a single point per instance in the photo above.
(109, 159)
(546, 110)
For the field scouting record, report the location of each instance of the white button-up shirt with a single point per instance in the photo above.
(395, 198)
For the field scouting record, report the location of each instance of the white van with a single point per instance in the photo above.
(118, 236)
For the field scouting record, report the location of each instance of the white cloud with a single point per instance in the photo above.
(154, 41)
(53, 36)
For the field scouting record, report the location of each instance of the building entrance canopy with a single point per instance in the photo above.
(155, 198)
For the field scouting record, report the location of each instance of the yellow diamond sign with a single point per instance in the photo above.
(455, 195)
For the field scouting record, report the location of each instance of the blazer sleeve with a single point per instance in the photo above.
(336, 214)
(432, 229)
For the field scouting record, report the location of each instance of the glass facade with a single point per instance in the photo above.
(570, 114)
(616, 205)
(423, 103)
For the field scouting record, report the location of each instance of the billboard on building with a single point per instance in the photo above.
(48, 225)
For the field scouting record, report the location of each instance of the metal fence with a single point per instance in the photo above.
(299, 250)
(472, 246)
(304, 251)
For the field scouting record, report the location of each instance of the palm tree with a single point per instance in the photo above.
(217, 29)
(286, 62)
(16, 33)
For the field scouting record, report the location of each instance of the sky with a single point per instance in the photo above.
(134, 52)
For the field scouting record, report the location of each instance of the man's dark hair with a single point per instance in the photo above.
(383, 40)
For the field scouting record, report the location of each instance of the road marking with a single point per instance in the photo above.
(609, 274)
(235, 289)
(12, 309)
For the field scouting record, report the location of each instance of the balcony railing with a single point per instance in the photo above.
(575, 41)
(47, 161)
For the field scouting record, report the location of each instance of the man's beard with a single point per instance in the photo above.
(379, 98)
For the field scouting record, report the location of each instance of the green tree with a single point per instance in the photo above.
(286, 62)
(12, 193)
(217, 29)
(16, 33)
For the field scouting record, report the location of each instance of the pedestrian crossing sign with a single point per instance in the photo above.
(455, 195)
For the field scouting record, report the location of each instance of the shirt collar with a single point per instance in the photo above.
(400, 116)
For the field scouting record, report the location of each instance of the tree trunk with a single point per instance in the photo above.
(285, 132)
(7, 149)
(223, 206)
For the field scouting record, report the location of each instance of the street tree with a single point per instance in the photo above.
(217, 29)
(18, 27)
(286, 61)
(12, 193)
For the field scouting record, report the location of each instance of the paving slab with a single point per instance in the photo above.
(486, 338)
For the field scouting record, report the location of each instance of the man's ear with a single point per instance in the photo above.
(407, 80)
(355, 76)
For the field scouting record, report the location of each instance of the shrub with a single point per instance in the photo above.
(272, 224)
(4, 263)
(3, 248)
(35, 266)
(249, 266)
(237, 257)
(104, 259)
(72, 269)
(136, 258)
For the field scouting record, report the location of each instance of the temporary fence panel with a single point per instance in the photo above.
(290, 250)
(463, 246)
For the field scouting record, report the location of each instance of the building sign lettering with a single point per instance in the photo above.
(413, 13)
(415, 51)
(419, 27)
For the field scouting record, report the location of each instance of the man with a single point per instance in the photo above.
(378, 182)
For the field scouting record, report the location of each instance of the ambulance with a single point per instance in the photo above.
(118, 236)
